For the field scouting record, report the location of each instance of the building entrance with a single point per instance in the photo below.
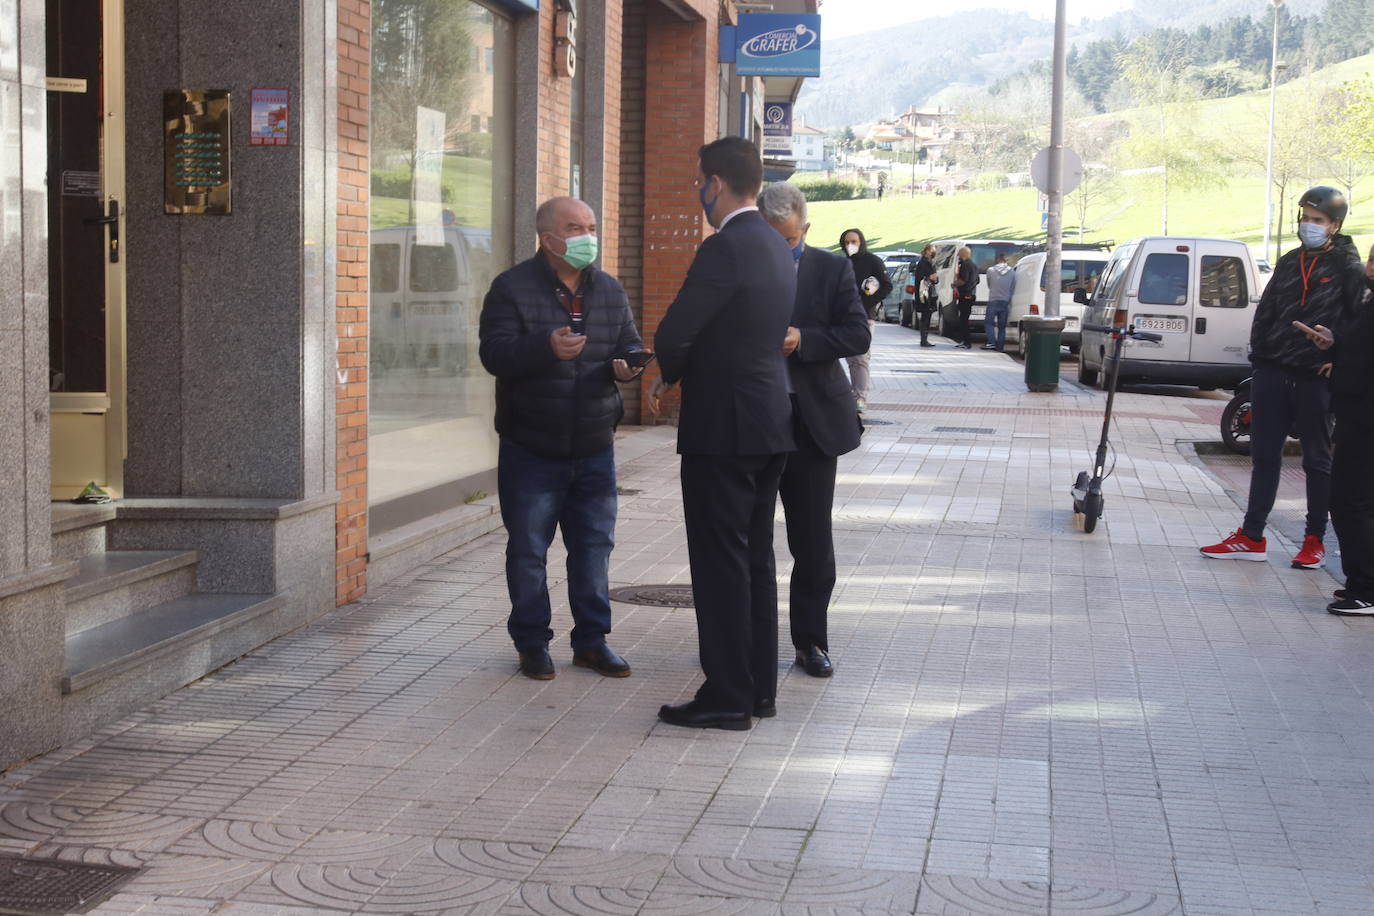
(86, 364)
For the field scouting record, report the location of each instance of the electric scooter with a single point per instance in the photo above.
(1087, 488)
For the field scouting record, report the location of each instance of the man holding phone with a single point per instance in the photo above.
(558, 334)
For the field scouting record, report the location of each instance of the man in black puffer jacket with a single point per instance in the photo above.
(1318, 283)
(555, 331)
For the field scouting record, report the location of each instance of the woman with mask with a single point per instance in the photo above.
(871, 275)
(923, 280)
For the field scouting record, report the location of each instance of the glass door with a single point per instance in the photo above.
(85, 239)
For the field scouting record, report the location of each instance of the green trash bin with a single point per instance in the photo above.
(1040, 341)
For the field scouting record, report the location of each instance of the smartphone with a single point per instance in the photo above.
(577, 324)
(637, 359)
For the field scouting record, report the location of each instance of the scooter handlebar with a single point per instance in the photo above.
(1130, 332)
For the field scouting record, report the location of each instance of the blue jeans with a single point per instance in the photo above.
(540, 494)
(996, 316)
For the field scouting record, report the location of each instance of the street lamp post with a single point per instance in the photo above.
(1269, 155)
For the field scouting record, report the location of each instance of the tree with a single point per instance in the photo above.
(1292, 154)
(1345, 117)
(1094, 141)
(1154, 66)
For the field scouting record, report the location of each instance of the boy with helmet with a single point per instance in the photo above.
(1319, 282)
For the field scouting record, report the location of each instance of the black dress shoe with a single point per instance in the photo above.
(696, 715)
(536, 663)
(815, 662)
(602, 660)
(765, 709)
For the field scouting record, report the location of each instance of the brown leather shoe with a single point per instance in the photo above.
(602, 660)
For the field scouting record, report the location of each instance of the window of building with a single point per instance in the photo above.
(441, 231)
(1222, 283)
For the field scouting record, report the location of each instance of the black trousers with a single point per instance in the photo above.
(1352, 503)
(926, 306)
(963, 332)
(1281, 401)
(729, 503)
(808, 496)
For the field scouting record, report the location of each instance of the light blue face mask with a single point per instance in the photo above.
(1312, 235)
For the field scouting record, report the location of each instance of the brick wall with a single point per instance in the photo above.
(555, 124)
(681, 110)
(350, 531)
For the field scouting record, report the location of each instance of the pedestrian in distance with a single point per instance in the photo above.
(923, 281)
(558, 334)
(722, 337)
(1352, 402)
(1318, 283)
(870, 273)
(965, 289)
(828, 323)
(1001, 285)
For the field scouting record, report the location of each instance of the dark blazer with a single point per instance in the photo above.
(833, 324)
(722, 338)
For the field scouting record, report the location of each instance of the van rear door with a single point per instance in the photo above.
(1221, 321)
(1157, 299)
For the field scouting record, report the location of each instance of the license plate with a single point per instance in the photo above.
(1171, 325)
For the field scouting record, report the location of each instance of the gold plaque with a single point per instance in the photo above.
(196, 148)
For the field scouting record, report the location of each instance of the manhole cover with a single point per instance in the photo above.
(655, 595)
(869, 421)
(42, 886)
(980, 430)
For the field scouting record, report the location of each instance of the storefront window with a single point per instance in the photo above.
(442, 131)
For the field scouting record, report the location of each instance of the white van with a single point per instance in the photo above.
(1079, 268)
(985, 252)
(1199, 294)
(422, 299)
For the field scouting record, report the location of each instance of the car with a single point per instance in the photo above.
(1198, 294)
(898, 303)
(1079, 268)
(898, 256)
(985, 252)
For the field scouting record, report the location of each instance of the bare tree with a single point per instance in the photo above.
(1095, 141)
(1292, 154)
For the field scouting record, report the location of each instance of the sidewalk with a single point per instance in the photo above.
(1024, 718)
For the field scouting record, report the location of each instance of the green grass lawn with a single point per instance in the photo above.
(468, 183)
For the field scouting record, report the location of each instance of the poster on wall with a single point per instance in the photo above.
(428, 189)
(777, 128)
(269, 117)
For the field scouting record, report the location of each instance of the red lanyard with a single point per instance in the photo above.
(1306, 272)
(573, 307)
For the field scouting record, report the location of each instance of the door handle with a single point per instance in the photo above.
(113, 222)
(1200, 326)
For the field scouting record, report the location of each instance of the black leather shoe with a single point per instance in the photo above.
(765, 709)
(602, 660)
(815, 662)
(536, 663)
(695, 715)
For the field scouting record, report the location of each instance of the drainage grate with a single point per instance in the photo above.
(655, 595)
(980, 430)
(42, 886)
(627, 491)
(946, 384)
(870, 421)
(915, 371)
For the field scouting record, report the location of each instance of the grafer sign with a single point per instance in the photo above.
(778, 44)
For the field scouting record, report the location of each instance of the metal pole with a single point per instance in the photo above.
(1269, 156)
(1055, 224)
(913, 156)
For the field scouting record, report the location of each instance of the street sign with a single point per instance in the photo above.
(1040, 170)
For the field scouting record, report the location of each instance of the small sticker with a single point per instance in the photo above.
(80, 184)
(66, 84)
(269, 117)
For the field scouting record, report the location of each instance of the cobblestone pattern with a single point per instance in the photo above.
(1024, 719)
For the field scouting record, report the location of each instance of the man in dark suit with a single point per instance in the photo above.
(828, 323)
(721, 338)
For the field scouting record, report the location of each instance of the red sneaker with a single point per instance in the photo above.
(1236, 547)
(1312, 555)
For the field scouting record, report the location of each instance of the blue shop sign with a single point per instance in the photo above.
(778, 44)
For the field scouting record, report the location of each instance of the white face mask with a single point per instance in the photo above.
(851, 249)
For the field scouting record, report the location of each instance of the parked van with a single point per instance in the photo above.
(1079, 268)
(1199, 294)
(422, 298)
(985, 253)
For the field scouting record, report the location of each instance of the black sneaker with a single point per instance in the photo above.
(1352, 607)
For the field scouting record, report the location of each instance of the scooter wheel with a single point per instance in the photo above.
(1092, 511)
(1235, 425)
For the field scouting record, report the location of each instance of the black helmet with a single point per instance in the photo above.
(1327, 200)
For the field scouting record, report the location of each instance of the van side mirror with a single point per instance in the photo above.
(1080, 296)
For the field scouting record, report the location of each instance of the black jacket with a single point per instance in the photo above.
(1352, 379)
(555, 408)
(966, 280)
(723, 335)
(1334, 286)
(921, 271)
(833, 324)
(867, 264)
